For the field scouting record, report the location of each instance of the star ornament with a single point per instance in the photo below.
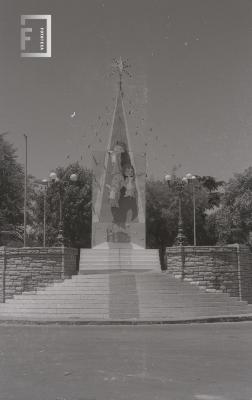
(121, 66)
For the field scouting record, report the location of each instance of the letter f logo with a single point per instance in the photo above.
(24, 37)
(27, 35)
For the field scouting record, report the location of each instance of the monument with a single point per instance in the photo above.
(118, 215)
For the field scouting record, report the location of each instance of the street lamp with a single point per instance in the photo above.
(178, 184)
(60, 185)
(192, 179)
(25, 192)
(45, 184)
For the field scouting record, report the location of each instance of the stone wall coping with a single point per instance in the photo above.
(203, 249)
(37, 250)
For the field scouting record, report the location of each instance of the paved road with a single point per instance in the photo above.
(183, 362)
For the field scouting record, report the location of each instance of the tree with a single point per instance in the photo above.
(232, 222)
(162, 211)
(160, 215)
(11, 186)
(213, 187)
(76, 206)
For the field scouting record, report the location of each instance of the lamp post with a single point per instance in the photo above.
(45, 184)
(178, 184)
(25, 191)
(59, 183)
(192, 179)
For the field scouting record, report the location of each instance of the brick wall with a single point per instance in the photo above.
(25, 269)
(224, 268)
(245, 259)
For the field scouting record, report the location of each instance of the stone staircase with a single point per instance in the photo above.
(123, 259)
(121, 296)
(121, 285)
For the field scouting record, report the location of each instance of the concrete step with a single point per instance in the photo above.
(53, 312)
(120, 262)
(145, 296)
(157, 301)
(88, 269)
(167, 300)
(140, 260)
(135, 257)
(87, 303)
(82, 288)
(119, 265)
(119, 256)
(119, 305)
(119, 251)
(149, 314)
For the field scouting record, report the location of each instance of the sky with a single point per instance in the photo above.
(188, 100)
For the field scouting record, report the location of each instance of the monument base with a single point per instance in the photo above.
(132, 237)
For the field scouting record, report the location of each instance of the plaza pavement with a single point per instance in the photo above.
(175, 362)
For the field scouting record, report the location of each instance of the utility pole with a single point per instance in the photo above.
(194, 217)
(25, 191)
(44, 230)
(192, 180)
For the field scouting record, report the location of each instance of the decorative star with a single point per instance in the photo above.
(121, 67)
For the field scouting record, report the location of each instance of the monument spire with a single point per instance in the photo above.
(119, 186)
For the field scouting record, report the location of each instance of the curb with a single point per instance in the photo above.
(202, 320)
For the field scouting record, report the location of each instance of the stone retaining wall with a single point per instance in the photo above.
(224, 268)
(26, 269)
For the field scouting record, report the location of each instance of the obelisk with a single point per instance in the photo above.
(118, 201)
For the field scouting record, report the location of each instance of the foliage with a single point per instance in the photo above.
(76, 206)
(162, 211)
(11, 187)
(213, 187)
(232, 222)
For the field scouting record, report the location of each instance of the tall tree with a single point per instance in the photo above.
(162, 211)
(213, 187)
(11, 186)
(232, 222)
(76, 207)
